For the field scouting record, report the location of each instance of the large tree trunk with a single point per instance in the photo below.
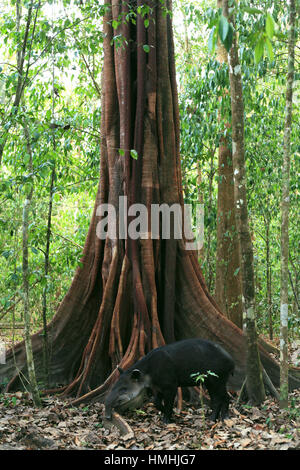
(130, 296)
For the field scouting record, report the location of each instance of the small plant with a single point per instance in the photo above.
(8, 400)
(140, 412)
(200, 379)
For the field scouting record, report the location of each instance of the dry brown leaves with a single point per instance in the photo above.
(59, 425)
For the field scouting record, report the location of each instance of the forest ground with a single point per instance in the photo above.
(58, 425)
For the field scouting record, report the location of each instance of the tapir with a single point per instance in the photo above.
(166, 368)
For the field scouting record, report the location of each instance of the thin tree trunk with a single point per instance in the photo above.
(25, 49)
(269, 278)
(46, 271)
(48, 235)
(295, 288)
(201, 202)
(285, 205)
(255, 386)
(208, 250)
(27, 316)
(228, 286)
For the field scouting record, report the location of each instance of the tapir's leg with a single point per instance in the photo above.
(158, 401)
(225, 406)
(216, 406)
(219, 398)
(168, 398)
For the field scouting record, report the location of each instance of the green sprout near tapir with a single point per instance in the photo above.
(199, 379)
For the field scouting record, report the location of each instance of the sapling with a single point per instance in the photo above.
(199, 379)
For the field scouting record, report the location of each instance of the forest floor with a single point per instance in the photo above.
(58, 425)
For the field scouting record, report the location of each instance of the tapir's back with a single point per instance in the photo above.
(177, 361)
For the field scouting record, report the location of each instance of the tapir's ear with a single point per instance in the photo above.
(136, 374)
(120, 370)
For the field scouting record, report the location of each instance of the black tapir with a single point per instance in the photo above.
(164, 369)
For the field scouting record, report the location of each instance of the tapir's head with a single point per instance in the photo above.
(128, 392)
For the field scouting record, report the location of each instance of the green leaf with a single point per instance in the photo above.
(259, 50)
(212, 39)
(146, 48)
(236, 271)
(228, 41)
(6, 254)
(122, 152)
(269, 48)
(252, 11)
(270, 25)
(134, 154)
(223, 28)
(146, 23)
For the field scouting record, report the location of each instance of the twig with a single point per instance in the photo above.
(67, 239)
(294, 291)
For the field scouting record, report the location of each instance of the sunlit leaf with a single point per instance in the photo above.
(259, 50)
(270, 26)
(223, 27)
(134, 154)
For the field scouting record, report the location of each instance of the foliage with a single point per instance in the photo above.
(62, 108)
(61, 105)
(202, 82)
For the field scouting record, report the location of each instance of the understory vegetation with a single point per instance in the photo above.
(61, 108)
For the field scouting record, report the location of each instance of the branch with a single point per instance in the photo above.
(30, 48)
(67, 239)
(294, 291)
(91, 74)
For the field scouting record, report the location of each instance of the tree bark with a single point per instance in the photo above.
(228, 289)
(228, 286)
(254, 383)
(285, 205)
(269, 278)
(130, 296)
(27, 317)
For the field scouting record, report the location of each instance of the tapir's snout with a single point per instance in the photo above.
(114, 401)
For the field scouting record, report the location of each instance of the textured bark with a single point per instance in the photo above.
(269, 280)
(130, 296)
(228, 290)
(25, 270)
(254, 383)
(228, 285)
(285, 205)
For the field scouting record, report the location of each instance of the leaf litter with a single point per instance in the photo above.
(60, 425)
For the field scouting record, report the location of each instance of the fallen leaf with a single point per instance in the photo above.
(245, 442)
